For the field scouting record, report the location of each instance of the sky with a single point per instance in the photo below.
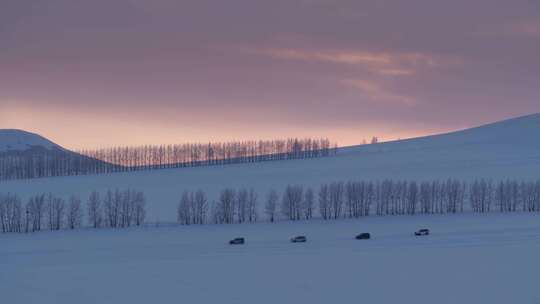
(102, 73)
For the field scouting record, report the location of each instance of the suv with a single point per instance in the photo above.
(422, 232)
(237, 241)
(299, 239)
(363, 236)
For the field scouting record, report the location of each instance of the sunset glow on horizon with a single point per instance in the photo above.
(79, 132)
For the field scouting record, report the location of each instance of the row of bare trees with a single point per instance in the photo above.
(117, 209)
(193, 208)
(337, 200)
(196, 154)
(40, 212)
(235, 206)
(48, 163)
(58, 162)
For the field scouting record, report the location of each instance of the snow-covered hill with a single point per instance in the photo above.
(507, 149)
(17, 140)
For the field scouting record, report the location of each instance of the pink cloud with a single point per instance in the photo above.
(377, 92)
(382, 63)
(526, 28)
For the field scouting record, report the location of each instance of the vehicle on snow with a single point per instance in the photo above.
(237, 241)
(363, 236)
(299, 239)
(422, 232)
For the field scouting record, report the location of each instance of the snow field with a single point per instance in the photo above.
(469, 258)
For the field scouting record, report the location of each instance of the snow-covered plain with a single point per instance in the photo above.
(491, 258)
(508, 149)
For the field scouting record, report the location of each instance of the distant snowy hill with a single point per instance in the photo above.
(28, 155)
(17, 140)
(515, 134)
(507, 149)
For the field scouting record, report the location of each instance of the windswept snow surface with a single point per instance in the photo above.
(468, 258)
(18, 140)
(508, 149)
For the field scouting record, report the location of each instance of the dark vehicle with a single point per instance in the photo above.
(299, 239)
(363, 236)
(237, 241)
(422, 232)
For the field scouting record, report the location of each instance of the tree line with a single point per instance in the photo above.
(112, 209)
(58, 162)
(329, 201)
(337, 200)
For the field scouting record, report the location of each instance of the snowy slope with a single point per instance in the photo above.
(517, 134)
(491, 258)
(18, 140)
(508, 149)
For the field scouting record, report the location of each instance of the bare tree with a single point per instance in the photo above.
(242, 205)
(291, 206)
(352, 199)
(11, 213)
(336, 193)
(35, 209)
(126, 207)
(252, 205)
(95, 213)
(109, 209)
(200, 202)
(425, 198)
(74, 214)
(55, 212)
(184, 208)
(324, 202)
(270, 206)
(308, 203)
(412, 198)
(226, 206)
(139, 208)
